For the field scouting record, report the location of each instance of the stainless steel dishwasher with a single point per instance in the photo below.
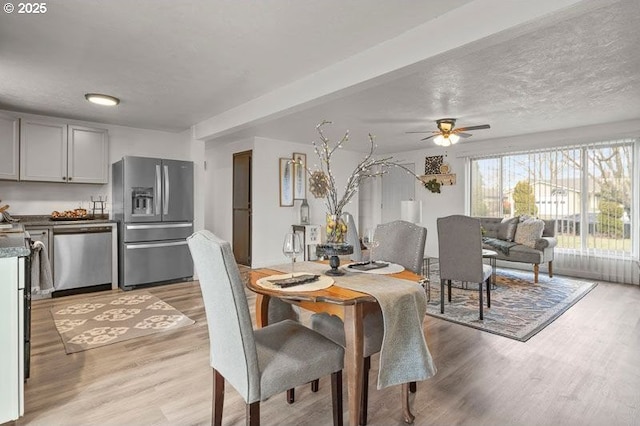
(82, 256)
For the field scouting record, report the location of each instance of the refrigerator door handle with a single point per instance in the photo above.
(154, 245)
(160, 226)
(158, 189)
(165, 209)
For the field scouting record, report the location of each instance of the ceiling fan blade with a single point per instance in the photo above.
(463, 135)
(426, 131)
(480, 127)
(428, 137)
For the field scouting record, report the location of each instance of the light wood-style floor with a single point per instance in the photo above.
(583, 369)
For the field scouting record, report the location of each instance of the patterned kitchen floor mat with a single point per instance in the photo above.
(100, 321)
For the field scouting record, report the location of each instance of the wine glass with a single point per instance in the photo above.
(292, 248)
(370, 242)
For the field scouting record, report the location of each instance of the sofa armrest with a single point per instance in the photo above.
(546, 242)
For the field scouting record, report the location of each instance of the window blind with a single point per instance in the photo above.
(589, 189)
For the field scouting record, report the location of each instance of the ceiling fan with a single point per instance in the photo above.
(447, 134)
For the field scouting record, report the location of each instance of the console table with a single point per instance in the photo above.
(309, 237)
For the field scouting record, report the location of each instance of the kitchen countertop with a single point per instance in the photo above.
(12, 242)
(45, 220)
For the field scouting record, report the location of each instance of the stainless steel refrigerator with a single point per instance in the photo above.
(153, 204)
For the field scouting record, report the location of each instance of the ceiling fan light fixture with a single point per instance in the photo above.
(441, 141)
(100, 99)
(446, 140)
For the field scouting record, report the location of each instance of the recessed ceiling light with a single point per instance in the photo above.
(99, 99)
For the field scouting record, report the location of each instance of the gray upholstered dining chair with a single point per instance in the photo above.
(403, 243)
(460, 256)
(260, 363)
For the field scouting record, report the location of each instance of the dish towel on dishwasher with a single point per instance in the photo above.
(404, 356)
(41, 279)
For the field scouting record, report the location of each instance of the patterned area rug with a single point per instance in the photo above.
(519, 308)
(105, 320)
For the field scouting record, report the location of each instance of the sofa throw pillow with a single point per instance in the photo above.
(529, 232)
(507, 228)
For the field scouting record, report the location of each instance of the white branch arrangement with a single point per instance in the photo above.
(367, 168)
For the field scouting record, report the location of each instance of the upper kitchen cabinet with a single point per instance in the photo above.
(88, 158)
(52, 151)
(9, 147)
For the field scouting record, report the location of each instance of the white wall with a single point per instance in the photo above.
(269, 221)
(449, 201)
(41, 198)
(218, 185)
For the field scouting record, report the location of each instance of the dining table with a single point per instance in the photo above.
(351, 306)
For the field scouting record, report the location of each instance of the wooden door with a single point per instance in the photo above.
(242, 207)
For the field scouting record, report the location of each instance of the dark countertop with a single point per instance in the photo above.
(45, 220)
(12, 242)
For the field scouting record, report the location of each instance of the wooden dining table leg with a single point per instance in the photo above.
(354, 359)
(406, 410)
(262, 310)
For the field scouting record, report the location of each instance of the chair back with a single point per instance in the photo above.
(231, 340)
(460, 248)
(401, 242)
(353, 238)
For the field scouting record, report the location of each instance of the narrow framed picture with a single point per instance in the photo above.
(286, 182)
(299, 176)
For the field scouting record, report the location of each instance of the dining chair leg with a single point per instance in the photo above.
(413, 387)
(480, 288)
(253, 414)
(315, 385)
(291, 396)
(551, 269)
(218, 398)
(364, 400)
(442, 296)
(489, 292)
(336, 398)
(449, 285)
(406, 410)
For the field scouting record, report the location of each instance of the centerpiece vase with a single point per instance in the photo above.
(336, 229)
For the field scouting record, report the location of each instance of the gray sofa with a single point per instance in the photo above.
(498, 236)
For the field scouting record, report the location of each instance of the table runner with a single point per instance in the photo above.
(404, 356)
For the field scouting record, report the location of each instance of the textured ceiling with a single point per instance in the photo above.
(570, 73)
(175, 64)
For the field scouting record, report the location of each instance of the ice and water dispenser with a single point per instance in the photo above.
(142, 201)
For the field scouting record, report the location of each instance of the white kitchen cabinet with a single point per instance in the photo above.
(11, 339)
(88, 155)
(43, 150)
(9, 147)
(52, 151)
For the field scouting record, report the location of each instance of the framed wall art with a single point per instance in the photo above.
(432, 164)
(286, 182)
(299, 176)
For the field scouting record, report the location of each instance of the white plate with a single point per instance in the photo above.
(322, 283)
(393, 268)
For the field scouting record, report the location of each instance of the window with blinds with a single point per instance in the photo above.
(588, 189)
